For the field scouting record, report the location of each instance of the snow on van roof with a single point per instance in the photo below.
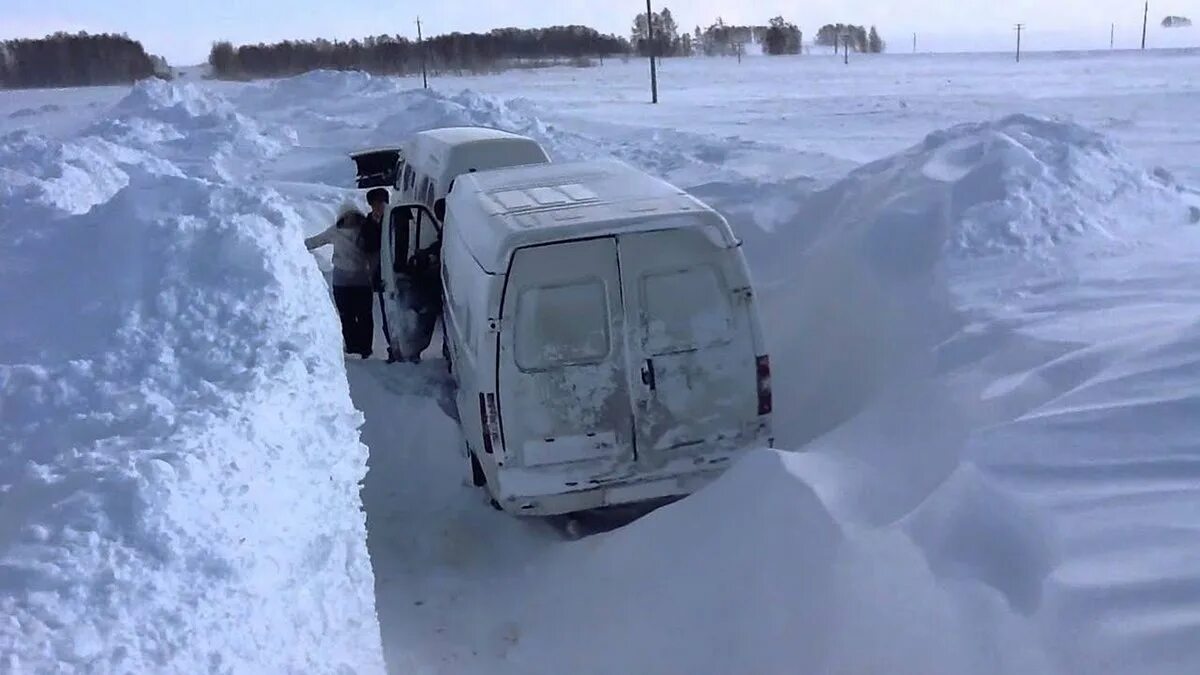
(374, 150)
(459, 135)
(501, 210)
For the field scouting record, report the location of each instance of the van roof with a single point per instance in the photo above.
(541, 203)
(437, 151)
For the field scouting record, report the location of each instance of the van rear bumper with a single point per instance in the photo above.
(671, 481)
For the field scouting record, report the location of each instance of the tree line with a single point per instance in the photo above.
(719, 39)
(860, 40)
(397, 55)
(75, 60)
(779, 36)
(67, 60)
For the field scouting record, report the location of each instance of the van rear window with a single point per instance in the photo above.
(684, 310)
(561, 325)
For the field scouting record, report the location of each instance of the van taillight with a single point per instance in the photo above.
(763, 366)
(488, 422)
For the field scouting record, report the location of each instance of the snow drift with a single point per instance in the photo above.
(1020, 184)
(70, 176)
(862, 296)
(180, 461)
(756, 574)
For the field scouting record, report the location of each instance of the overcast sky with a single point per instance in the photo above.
(183, 30)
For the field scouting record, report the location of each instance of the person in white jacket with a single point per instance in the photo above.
(356, 240)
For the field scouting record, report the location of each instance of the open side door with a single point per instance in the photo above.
(411, 259)
(376, 167)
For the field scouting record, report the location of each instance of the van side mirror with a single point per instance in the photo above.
(439, 210)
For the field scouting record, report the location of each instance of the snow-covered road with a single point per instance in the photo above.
(986, 340)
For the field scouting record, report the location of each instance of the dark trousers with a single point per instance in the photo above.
(355, 306)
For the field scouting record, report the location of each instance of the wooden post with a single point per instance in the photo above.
(421, 45)
(846, 47)
(1145, 20)
(653, 66)
(1020, 27)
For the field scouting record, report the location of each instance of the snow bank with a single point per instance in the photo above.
(195, 127)
(1019, 184)
(331, 106)
(324, 85)
(422, 109)
(180, 465)
(684, 158)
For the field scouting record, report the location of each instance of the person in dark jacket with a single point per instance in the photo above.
(356, 240)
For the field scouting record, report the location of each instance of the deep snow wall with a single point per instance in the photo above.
(180, 466)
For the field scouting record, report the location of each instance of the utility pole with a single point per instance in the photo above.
(421, 44)
(1112, 37)
(1020, 27)
(846, 46)
(1145, 20)
(914, 43)
(653, 66)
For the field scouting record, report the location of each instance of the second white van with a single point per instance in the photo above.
(604, 336)
(423, 170)
(431, 160)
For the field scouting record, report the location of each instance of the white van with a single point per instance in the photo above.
(422, 172)
(432, 159)
(604, 337)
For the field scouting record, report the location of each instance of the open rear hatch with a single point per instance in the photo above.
(376, 167)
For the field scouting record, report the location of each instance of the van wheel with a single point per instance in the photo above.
(478, 477)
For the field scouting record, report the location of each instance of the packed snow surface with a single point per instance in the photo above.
(978, 283)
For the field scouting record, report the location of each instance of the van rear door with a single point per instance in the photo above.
(376, 167)
(692, 347)
(563, 378)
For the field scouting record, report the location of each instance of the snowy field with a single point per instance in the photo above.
(979, 285)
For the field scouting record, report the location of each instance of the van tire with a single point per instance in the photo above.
(478, 477)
